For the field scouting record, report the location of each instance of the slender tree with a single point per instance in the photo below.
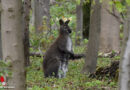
(32, 21)
(79, 28)
(26, 14)
(124, 79)
(93, 44)
(12, 42)
(86, 19)
(42, 15)
(0, 36)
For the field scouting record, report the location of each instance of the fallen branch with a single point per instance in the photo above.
(108, 71)
(37, 54)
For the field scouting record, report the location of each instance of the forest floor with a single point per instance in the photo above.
(74, 80)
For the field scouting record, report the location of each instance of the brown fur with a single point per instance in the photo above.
(57, 55)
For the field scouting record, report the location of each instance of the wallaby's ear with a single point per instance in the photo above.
(67, 21)
(61, 22)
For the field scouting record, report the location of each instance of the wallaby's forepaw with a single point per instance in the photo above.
(77, 56)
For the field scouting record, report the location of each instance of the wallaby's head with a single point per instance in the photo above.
(64, 28)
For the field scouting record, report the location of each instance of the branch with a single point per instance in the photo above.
(116, 16)
(37, 54)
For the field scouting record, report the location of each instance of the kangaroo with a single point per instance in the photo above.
(56, 58)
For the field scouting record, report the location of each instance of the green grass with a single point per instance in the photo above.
(74, 80)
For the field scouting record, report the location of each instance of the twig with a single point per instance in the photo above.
(37, 54)
(116, 16)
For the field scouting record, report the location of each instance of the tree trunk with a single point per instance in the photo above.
(124, 79)
(32, 21)
(110, 30)
(79, 28)
(42, 15)
(26, 15)
(12, 42)
(86, 19)
(93, 44)
(0, 35)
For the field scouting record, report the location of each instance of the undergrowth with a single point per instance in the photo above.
(74, 80)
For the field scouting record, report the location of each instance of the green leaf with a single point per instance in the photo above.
(110, 2)
(119, 6)
(101, 1)
(78, 2)
(128, 2)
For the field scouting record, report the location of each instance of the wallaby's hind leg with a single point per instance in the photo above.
(63, 68)
(52, 69)
(51, 73)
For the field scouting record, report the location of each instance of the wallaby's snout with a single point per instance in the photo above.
(69, 30)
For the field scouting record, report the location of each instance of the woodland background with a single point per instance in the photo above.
(100, 29)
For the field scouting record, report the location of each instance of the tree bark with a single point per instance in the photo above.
(124, 76)
(93, 44)
(0, 35)
(79, 28)
(12, 42)
(26, 15)
(110, 29)
(42, 15)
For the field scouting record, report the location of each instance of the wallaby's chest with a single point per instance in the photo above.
(69, 44)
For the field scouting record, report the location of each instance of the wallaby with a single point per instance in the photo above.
(56, 58)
